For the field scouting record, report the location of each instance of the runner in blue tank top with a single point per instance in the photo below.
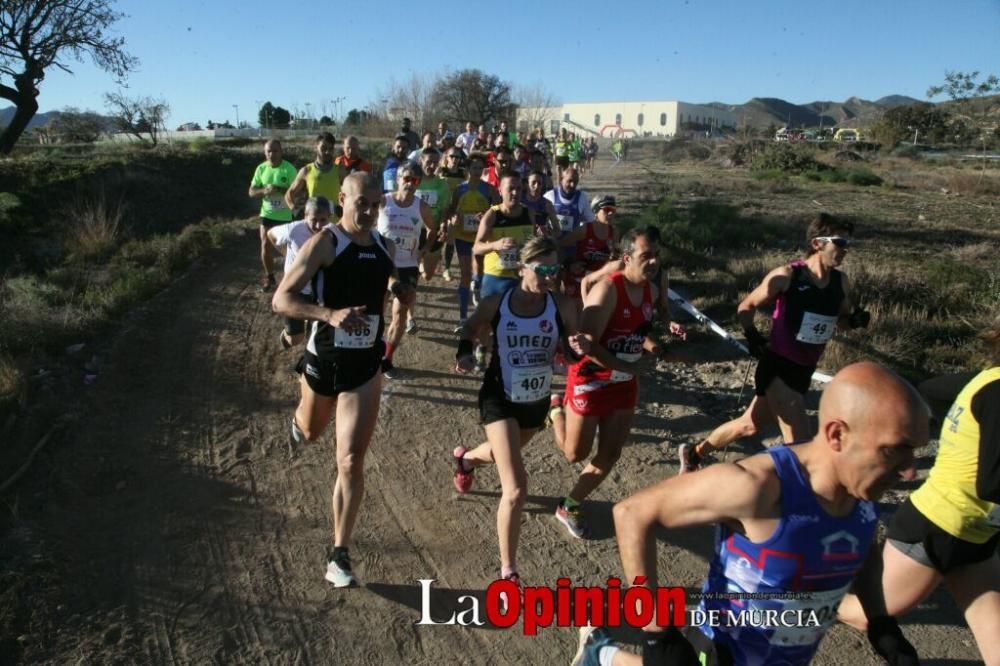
(794, 532)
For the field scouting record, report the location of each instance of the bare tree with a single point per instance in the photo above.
(536, 106)
(36, 35)
(138, 116)
(410, 98)
(470, 94)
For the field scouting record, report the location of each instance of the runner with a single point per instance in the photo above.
(503, 160)
(540, 163)
(289, 239)
(406, 131)
(546, 222)
(453, 172)
(435, 191)
(811, 300)
(593, 244)
(353, 268)
(571, 207)
(522, 163)
(467, 138)
(528, 322)
(395, 160)
(949, 528)
(562, 153)
(402, 218)
(795, 526)
(591, 154)
(270, 180)
(428, 141)
(471, 199)
(602, 389)
(574, 151)
(320, 178)
(351, 160)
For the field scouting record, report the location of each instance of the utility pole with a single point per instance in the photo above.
(237, 107)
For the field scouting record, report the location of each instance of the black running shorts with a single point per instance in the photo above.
(494, 406)
(796, 377)
(295, 326)
(920, 539)
(330, 379)
(270, 224)
(409, 275)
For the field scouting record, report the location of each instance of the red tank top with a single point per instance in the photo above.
(628, 327)
(593, 251)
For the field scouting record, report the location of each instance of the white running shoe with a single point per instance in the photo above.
(339, 572)
(461, 325)
(411, 325)
(446, 275)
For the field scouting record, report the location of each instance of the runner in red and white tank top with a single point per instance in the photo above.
(602, 388)
(593, 244)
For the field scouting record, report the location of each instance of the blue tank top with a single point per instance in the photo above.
(389, 174)
(808, 563)
(568, 212)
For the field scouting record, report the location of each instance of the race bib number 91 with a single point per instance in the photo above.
(363, 338)
(816, 329)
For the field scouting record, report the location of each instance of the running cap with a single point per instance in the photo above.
(602, 201)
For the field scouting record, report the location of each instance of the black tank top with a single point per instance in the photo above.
(358, 275)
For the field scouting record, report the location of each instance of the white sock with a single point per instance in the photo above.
(607, 655)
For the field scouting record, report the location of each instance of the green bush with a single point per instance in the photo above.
(770, 174)
(862, 176)
(788, 158)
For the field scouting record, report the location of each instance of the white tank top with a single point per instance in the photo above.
(523, 350)
(402, 226)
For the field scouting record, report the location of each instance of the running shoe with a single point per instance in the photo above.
(689, 460)
(338, 571)
(463, 480)
(266, 283)
(446, 275)
(389, 371)
(572, 519)
(286, 342)
(480, 358)
(461, 325)
(475, 297)
(504, 602)
(297, 435)
(592, 639)
(411, 325)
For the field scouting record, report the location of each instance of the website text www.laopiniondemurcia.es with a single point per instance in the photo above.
(609, 606)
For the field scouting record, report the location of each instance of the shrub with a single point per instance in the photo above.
(95, 229)
(788, 158)
(862, 176)
(9, 203)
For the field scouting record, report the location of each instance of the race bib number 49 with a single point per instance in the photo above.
(530, 384)
(816, 329)
(363, 338)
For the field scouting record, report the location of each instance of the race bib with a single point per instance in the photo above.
(816, 329)
(509, 259)
(405, 244)
(430, 197)
(363, 338)
(818, 609)
(993, 517)
(530, 384)
(470, 222)
(276, 203)
(565, 222)
(618, 376)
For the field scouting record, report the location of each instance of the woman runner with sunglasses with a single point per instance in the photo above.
(810, 299)
(528, 321)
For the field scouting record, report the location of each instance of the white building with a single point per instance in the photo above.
(625, 118)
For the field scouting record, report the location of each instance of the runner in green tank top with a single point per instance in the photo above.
(270, 181)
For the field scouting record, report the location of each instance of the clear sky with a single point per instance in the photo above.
(204, 56)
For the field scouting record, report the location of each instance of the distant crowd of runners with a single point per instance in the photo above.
(546, 287)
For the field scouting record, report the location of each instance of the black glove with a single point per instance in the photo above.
(756, 342)
(668, 648)
(859, 318)
(889, 642)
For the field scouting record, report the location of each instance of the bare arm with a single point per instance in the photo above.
(590, 280)
(296, 188)
(483, 244)
(774, 284)
(684, 501)
(597, 311)
(843, 321)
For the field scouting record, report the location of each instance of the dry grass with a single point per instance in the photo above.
(95, 229)
(10, 378)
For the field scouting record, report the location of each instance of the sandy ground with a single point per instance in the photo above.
(185, 531)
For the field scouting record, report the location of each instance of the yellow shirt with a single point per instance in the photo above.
(473, 201)
(948, 498)
(323, 183)
(522, 229)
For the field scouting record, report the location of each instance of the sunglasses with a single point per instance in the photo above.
(410, 179)
(545, 270)
(609, 209)
(836, 240)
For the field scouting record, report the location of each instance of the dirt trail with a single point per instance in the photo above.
(186, 531)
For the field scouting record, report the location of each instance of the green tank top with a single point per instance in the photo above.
(273, 206)
(436, 193)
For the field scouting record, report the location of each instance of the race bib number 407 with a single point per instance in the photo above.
(530, 384)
